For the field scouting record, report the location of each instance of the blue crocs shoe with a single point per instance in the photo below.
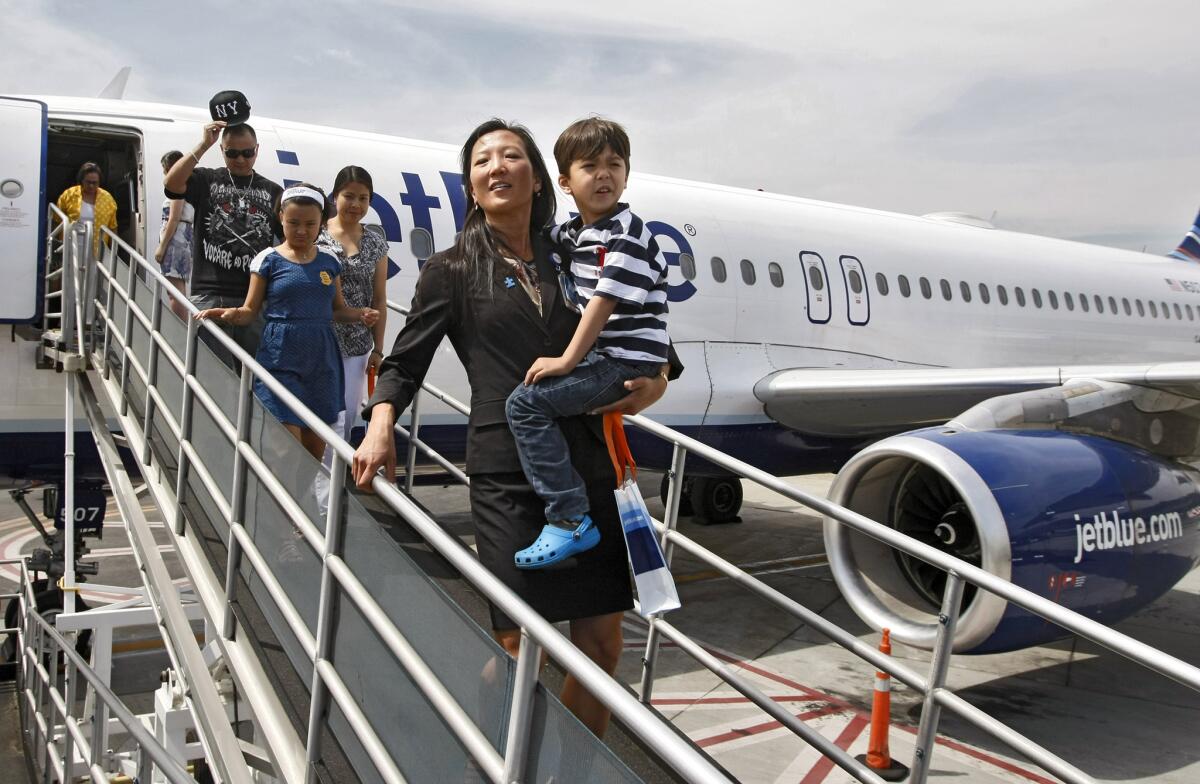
(556, 544)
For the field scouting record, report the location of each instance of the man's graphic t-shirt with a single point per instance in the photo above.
(235, 220)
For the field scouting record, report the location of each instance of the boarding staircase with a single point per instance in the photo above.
(344, 640)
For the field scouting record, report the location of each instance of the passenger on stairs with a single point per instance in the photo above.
(362, 251)
(174, 252)
(90, 203)
(299, 288)
(469, 293)
(235, 221)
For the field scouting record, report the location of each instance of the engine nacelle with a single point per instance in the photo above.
(1100, 527)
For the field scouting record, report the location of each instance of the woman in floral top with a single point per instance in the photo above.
(363, 253)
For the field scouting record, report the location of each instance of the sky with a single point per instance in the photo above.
(1069, 118)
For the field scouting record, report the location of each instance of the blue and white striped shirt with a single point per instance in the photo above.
(634, 273)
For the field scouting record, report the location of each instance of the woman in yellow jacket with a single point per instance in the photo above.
(89, 202)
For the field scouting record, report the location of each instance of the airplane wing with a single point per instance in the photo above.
(838, 402)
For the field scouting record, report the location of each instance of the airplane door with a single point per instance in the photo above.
(816, 287)
(858, 299)
(22, 208)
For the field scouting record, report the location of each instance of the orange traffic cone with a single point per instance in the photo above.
(877, 757)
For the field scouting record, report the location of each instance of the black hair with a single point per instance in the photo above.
(238, 130)
(476, 249)
(350, 174)
(87, 169)
(170, 159)
(587, 138)
(306, 201)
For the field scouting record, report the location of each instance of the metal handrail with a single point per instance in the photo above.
(932, 687)
(1139, 652)
(32, 657)
(678, 753)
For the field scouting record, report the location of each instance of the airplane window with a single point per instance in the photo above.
(984, 294)
(1020, 295)
(748, 275)
(687, 265)
(1053, 297)
(1178, 312)
(881, 284)
(1125, 304)
(946, 292)
(421, 243)
(1083, 303)
(1112, 306)
(905, 289)
(718, 272)
(775, 272)
(965, 288)
(1153, 309)
(856, 281)
(1037, 297)
(1166, 311)
(1002, 293)
(926, 289)
(1069, 300)
(1191, 313)
(1141, 308)
(1099, 303)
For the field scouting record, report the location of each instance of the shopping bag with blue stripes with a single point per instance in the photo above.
(655, 586)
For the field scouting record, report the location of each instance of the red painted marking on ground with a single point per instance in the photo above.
(783, 680)
(835, 704)
(756, 729)
(985, 757)
(725, 700)
(847, 736)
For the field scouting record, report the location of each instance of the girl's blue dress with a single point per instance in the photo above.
(298, 344)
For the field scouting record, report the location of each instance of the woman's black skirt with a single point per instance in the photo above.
(508, 516)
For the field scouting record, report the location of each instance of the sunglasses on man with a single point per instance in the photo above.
(233, 154)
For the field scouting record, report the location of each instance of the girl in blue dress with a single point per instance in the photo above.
(300, 288)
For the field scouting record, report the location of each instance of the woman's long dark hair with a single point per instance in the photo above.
(477, 249)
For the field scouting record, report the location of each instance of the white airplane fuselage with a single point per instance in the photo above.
(789, 298)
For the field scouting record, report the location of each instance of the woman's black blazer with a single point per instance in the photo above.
(497, 336)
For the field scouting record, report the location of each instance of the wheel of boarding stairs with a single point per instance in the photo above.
(716, 499)
(49, 602)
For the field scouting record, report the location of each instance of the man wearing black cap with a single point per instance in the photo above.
(235, 212)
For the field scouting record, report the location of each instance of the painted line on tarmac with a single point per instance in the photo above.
(739, 733)
(757, 568)
(848, 735)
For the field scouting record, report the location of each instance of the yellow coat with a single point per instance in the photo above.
(71, 200)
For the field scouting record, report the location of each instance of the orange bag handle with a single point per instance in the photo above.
(618, 447)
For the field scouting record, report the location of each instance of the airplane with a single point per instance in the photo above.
(1025, 403)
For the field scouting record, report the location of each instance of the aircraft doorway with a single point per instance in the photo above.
(858, 299)
(118, 152)
(816, 287)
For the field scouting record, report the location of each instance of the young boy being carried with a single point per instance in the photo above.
(613, 272)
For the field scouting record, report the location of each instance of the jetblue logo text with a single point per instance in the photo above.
(1105, 533)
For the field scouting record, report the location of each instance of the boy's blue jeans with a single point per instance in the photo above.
(596, 381)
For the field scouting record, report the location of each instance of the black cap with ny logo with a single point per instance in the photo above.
(230, 106)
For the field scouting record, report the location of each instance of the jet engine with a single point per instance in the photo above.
(1099, 526)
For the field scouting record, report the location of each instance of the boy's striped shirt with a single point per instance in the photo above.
(634, 273)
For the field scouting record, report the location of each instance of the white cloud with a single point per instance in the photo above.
(1069, 118)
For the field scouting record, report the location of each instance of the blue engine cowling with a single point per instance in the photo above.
(1100, 527)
